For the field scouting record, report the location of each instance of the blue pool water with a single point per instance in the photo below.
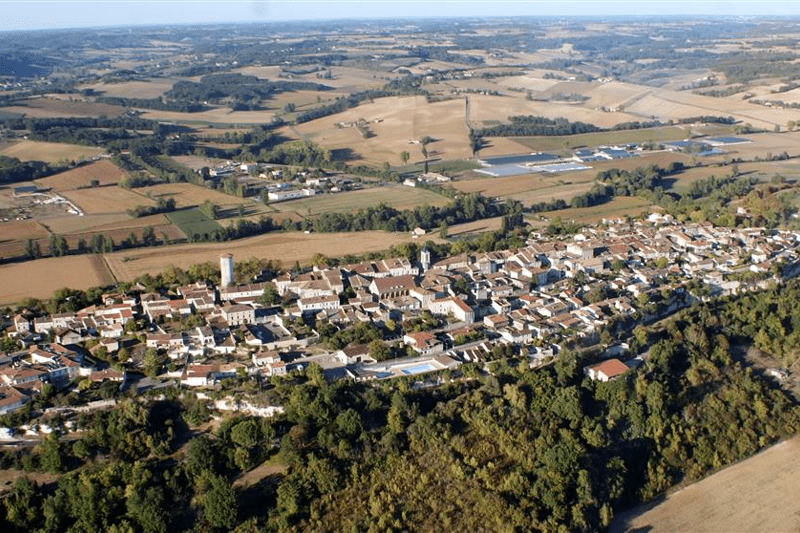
(427, 367)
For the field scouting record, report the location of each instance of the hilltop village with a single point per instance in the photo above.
(393, 317)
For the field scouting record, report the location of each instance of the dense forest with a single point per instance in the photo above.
(513, 449)
(12, 170)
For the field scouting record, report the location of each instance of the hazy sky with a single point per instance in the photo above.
(39, 14)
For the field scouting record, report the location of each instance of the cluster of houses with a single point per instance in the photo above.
(252, 177)
(527, 297)
(24, 373)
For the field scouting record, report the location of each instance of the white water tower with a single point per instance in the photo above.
(226, 267)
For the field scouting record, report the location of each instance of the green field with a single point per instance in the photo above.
(193, 222)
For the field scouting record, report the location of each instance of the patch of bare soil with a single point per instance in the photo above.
(258, 474)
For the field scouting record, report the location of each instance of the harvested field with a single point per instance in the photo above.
(48, 152)
(276, 216)
(14, 233)
(604, 138)
(619, 206)
(398, 196)
(106, 200)
(683, 181)
(487, 107)
(302, 100)
(221, 115)
(134, 89)
(189, 194)
(265, 73)
(564, 192)
(63, 224)
(505, 186)
(763, 170)
(756, 495)
(527, 82)
(395, 123)
(473, 228)
(115, 226)
(44, 276)
(196, 162)
(764, 144)
(57, 108)
(118, 235)
(104, 171)
(348, 79)
(21, 230)
(495, 146)
(666, 105)
(141, 222)
(285, 247)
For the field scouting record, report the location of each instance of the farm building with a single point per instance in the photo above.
(607, 370)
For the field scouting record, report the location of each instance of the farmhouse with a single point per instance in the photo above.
(606, 370)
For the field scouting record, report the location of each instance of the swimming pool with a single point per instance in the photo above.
(427, 367)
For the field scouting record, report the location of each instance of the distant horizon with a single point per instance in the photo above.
(37, 15)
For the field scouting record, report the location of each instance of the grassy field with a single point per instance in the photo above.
(757, 495)
(40, 278)
(104, 171)
(397, 196)
(47, 152)
(285, 247)
(193, 222)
